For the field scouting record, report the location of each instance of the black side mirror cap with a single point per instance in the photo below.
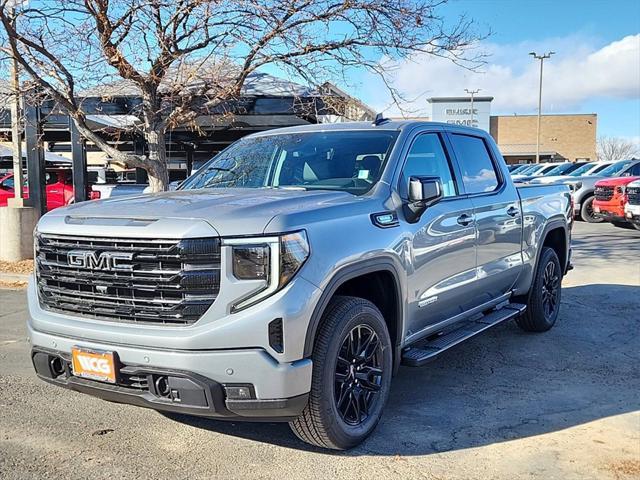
(423, 192)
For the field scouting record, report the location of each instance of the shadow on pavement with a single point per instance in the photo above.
(505, 384)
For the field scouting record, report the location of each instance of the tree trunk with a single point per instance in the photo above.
(157, 168)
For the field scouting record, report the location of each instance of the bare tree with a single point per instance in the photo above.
(612, 149)
(174, 53)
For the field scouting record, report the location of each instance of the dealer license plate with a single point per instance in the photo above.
(93, 364)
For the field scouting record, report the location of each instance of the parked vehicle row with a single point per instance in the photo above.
(599, 189)
(58, 189)
(611, 199)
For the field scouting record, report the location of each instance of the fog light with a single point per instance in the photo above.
(239, 392)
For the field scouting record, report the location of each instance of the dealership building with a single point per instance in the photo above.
(563, 137)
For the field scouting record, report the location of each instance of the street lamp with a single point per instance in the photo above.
(472, 93)
(541, 58)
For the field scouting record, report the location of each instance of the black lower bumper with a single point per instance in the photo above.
(187, 392)
(610, 217)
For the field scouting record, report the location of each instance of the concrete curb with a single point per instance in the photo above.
(14, 277)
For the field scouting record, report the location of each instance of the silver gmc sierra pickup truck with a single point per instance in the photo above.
(291, 276)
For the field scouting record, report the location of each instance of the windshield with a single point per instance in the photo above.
(350, 161)
(532, 170)
(614, 169)
(545, 170)
(520, 168)
(528, 170)
(560, 169)
(583, 169)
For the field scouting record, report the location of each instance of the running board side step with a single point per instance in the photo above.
(423, 351)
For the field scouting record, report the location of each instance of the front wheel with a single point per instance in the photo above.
(352, 367)
(586, 211)
(543, 301)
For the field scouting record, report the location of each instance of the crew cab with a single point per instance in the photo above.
(291, 276)
(58, 189)
(610, 198)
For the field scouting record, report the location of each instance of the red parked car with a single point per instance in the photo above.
(59, 189)
(610, 198)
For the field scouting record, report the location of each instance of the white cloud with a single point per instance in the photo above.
(576, 73)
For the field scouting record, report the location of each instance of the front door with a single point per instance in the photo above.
(443, 242)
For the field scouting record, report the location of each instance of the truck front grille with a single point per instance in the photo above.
(171, 282)
(604, 193)
(633, 194)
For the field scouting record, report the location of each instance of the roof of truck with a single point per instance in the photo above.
(395, 125)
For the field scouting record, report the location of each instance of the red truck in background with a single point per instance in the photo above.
(59, 189)
(610, 199)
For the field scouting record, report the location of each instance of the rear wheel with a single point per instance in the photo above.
(543, 302)
(352, 367)
(586, 211)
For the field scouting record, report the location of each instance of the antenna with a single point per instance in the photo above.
(379, 120)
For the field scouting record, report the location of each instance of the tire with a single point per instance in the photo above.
(586, 211)
(543, 301)
(323, 422)
(636, 226)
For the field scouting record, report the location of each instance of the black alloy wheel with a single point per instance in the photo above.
(352, 369)
(543, 299)
(358, 374)
(550, 290)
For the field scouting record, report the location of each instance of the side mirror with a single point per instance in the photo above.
(423, 192)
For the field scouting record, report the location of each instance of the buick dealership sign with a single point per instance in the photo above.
(457, 111)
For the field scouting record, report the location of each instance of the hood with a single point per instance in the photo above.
(232, 211)
(615, 181)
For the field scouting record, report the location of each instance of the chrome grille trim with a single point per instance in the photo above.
(604, 193)
(170, 282)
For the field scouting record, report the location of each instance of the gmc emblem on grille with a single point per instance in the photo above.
(100, 260)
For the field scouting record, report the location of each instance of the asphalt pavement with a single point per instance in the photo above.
(564, 404)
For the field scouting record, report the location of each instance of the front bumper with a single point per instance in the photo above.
(632, 213)
(608, 216)
(280, 391)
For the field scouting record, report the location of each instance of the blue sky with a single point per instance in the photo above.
(596, 68)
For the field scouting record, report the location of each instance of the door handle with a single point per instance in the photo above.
(464, 219)
(513, 212)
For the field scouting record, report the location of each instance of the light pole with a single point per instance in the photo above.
(472, 93)
(541, 58)
(16, 122)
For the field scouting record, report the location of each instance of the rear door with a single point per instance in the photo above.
(497, 213)
(441, 267)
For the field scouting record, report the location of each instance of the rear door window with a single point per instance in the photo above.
(478, 171)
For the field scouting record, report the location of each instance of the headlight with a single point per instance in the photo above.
(251, 262)
(621, 189)
(268, 262)
(575, 186)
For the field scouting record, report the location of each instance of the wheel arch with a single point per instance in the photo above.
(349, 280)
(556, 239)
